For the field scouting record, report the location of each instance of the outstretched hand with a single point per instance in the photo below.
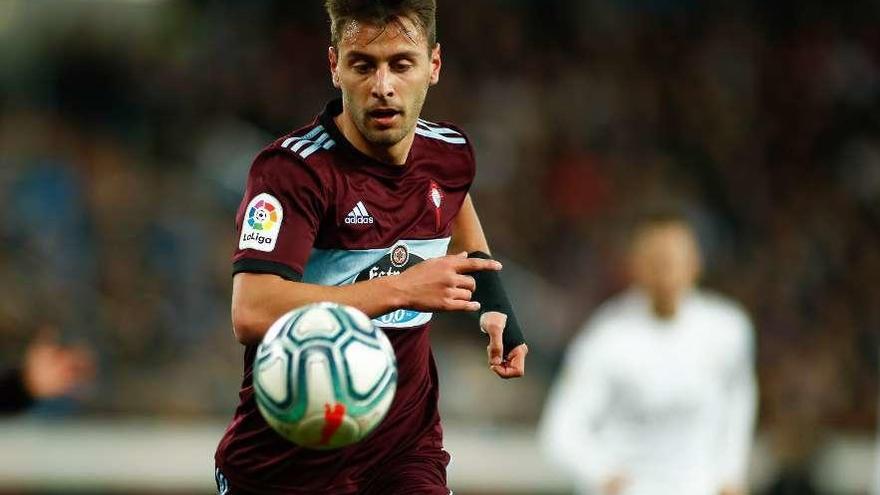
(441, 284)
(514, 364)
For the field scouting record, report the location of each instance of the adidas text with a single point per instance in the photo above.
(359, 215)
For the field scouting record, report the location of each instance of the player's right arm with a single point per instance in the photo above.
(438, 284)
(284, 205)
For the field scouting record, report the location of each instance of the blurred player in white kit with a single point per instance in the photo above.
(657, 395)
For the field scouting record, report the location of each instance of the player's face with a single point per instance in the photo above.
(384, 73)
(666, 264)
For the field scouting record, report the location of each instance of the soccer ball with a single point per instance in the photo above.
(324, 376)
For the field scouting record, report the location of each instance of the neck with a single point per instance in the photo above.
(665, 305)
(664, 310)
(395, 154)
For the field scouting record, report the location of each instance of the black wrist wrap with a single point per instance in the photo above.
(492, 297)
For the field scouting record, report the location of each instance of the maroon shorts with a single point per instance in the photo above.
(415, 473)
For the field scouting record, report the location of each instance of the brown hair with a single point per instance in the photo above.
(381, 12)
(656, 214)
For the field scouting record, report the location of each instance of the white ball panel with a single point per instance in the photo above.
(319, 383)
(276, 327)
(274, 378)
(316, 322)
(366, 365)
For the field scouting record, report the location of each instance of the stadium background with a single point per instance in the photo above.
(126, 131)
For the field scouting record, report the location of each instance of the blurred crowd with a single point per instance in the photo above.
(126, 132)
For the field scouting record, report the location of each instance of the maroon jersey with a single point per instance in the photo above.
(317, 210)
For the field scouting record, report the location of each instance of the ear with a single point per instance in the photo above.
(333, 60)
(436, 63)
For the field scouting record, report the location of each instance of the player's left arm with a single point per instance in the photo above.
(507, 348)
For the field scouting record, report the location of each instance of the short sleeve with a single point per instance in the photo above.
(279, 216)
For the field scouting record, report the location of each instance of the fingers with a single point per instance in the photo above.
(458, 298)
(460, 294)
(467, 265)
(495, 350)
(507, 371)
(461, 305)
(465, 282)
(492, 323)
(518, 361)
(514, 366)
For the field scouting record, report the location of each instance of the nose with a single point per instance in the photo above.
(382, 84)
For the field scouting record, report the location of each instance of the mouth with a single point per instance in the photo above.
(384, 116)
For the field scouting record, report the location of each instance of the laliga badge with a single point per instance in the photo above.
(262, 222)
(435, 198)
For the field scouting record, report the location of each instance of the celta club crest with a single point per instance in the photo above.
(399, 256)
(435, 198)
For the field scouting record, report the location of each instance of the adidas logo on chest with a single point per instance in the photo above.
(359, 215)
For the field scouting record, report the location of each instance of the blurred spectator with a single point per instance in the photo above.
(48, 371)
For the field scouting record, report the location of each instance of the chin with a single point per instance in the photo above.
(388, 137)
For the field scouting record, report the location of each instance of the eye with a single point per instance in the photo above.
(401, 66)
(362, 68)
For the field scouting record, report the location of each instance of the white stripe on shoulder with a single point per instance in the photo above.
(314, 140)
(440, 137)
(300, 145)
(289, 142)
(446, 131)
(315, 145)
(314, 132)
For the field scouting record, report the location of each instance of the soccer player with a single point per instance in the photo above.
(366, 206)
(657, 394)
